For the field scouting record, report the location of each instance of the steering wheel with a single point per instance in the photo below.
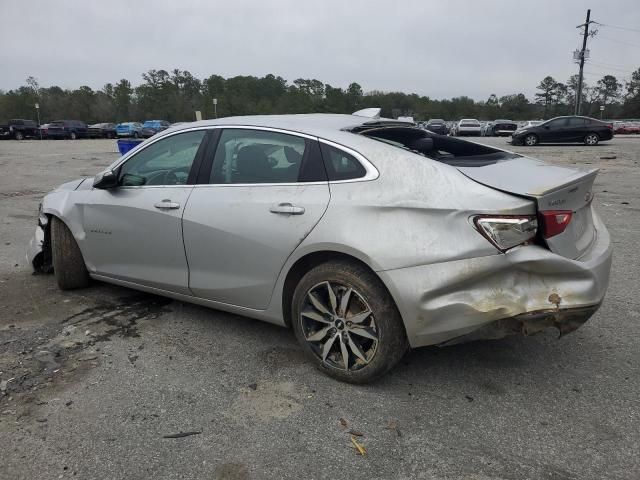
(163, 177)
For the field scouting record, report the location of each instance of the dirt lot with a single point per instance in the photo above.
(92, 381)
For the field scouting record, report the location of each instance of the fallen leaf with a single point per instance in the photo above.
(356, 433)
(361, 450)
(181, 434)
(343, 422)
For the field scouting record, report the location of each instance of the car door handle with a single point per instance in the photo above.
(167, 205)
(287, 209)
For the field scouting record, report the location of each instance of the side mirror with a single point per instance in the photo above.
(105, 180)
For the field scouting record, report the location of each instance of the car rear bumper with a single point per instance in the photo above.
(57, 133)
(522, 291)
(470, 133)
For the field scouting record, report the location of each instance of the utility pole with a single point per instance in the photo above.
(585, 25)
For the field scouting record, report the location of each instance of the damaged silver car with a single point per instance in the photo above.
(364, 235)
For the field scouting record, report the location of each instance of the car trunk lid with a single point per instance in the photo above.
(555, 189)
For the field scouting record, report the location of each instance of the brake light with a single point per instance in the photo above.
(554, 222)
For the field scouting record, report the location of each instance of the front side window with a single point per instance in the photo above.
(165, 162)
(559, 123)
(258, 156)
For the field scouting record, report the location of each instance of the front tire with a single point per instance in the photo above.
(19, 135)
(530, 140)
(68, 264)
(73, 135)
(591, 139)
(347, 323)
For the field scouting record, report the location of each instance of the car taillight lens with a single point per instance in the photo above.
(554, 221)
(506, 232)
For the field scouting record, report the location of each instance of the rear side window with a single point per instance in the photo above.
(340, 165)
(258, 156)
(578, 122)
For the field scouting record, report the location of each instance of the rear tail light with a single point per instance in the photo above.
(506, 232)
(554, 222)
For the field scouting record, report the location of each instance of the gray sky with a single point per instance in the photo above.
(440, 48)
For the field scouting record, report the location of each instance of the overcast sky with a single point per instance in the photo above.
(440, 48)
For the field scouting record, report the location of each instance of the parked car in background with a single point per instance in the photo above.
(531, 123)
(437, 125)
(502, 128)
(71, 129)
(626, 128)
(43, 130)
(19, 129)
(468, 127)
(129, 129)
(102, 130)
(151, 127)
(291, 223)
(565, 129)
(485, 131)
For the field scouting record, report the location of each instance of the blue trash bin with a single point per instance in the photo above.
(126, 145)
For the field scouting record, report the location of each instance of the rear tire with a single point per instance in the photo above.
(530, 140)
(73, 135)
(19, 135)
(373, 343)
(591, 139)
(68, 264)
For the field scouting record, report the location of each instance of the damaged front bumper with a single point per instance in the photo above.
(35, 248)
(523, 291)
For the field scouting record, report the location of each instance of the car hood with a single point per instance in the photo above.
(73, 185)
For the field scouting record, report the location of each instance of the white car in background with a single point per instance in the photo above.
(468, 126)
(531, 123)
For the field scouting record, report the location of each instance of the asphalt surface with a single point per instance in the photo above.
(92, 381)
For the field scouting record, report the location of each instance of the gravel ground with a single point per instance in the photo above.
(92, 381)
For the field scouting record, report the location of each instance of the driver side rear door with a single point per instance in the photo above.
(133, 232)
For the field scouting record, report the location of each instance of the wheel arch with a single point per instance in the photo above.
(311, 260)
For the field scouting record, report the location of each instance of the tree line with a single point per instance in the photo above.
(175, 95)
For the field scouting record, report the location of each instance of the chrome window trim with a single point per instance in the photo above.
(371, 171)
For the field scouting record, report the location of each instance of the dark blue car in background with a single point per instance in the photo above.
(151, 127)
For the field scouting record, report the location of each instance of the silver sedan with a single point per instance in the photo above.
(364, 235)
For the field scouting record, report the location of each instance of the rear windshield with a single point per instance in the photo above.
(449, 150)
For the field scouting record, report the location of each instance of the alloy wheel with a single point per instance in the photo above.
(591, 139)
(530, 140)
(339, 325)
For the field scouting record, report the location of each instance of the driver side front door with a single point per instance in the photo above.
(133, 232)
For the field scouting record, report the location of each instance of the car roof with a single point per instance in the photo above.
(325, 125)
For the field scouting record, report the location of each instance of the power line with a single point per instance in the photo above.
(608, 67)
(621, 42)
(609, 64)
(618, 27)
